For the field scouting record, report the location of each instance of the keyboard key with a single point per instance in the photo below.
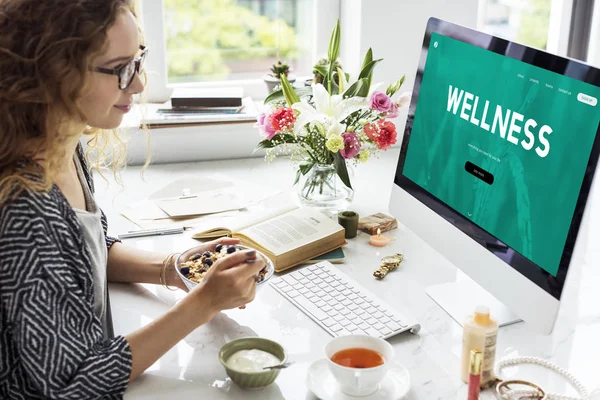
(352, 328)
(339, 307)
(393, 326)
(346, 302)
(372, 332)
(336, 328)
(345, 323)
(312, 296)
(289, 279)
(329, 322)
(310, 285)
(353, 307)
(379, 326)
(377, 315)
(329, 279)
(326, 298)
(293, 293)
(371, 321)
(384, 320)
(371, 310)
(332, 312)
(360, 312)
(310, 307)
(339, 317)
(345, 312)
(346, 292)
(352, 296)
(306, 272)
(320, 303)
(325, 307)
(385, 331)
(343, 332)
(304, 290)
(364, 326)
(356, 320)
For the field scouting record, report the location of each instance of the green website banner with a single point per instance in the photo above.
(504, 143)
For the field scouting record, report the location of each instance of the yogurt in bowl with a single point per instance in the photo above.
(243, 361)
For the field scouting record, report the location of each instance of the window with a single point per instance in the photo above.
(524, 21)
(232, 42)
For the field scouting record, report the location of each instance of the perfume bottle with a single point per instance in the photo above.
(480, 332)
(475, 360)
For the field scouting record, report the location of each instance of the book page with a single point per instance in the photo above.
(292, 230)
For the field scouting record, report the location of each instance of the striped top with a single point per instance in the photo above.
(51, 341)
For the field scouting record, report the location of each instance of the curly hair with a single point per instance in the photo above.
(46, 50)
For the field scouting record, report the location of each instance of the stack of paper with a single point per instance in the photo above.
(195, 201)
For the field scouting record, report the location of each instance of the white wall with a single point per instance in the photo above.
(594, 45)
(393, 28)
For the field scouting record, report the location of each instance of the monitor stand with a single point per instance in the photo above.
(460, 298)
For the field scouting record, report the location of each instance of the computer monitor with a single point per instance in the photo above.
(497, 159)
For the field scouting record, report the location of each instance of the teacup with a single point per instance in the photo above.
(359, 381)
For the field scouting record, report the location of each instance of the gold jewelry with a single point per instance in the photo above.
(162, 277)
(504, 390)
(388, 264)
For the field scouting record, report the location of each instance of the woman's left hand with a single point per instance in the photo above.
(173, 279)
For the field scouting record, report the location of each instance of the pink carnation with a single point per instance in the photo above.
(380, 102)
(265, 126)
(351, 145)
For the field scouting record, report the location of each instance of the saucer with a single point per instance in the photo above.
(321, 382)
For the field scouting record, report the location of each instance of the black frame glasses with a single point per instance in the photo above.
(126, 72)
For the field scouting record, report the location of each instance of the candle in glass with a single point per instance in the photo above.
(378, 240)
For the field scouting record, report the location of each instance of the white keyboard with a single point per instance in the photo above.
(339, 304)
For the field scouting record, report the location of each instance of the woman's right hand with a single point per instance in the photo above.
(229, 283)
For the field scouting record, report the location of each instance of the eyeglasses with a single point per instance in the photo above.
(126, 72)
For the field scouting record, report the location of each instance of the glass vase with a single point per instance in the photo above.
(323, 189)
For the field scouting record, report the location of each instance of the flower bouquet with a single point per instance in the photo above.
(324, 126)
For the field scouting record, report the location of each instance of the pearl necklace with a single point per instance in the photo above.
(583, 394)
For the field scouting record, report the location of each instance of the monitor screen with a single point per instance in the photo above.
(501, 140)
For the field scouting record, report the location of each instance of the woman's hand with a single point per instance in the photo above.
(173, 279)
(229, 283)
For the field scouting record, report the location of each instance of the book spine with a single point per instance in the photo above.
(206, 102)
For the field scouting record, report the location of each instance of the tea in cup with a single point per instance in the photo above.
(359, 363)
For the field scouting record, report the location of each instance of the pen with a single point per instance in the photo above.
(151, 232)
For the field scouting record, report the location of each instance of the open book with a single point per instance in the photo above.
(288, 237)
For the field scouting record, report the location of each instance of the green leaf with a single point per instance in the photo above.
(368, 58)
(278, 95)
(359, 88)
(341, 79)
(288, 91)
(297, 177)
(340, 168)
(321, 70)
(303, 170)
(367, 70)
(334, 43)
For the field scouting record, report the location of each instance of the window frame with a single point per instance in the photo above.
(159, 90)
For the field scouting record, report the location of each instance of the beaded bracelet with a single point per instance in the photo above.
(162, 277)
(536, 390)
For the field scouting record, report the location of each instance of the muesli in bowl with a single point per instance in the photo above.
(191, 267)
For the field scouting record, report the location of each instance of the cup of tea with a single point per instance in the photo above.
(359, 362)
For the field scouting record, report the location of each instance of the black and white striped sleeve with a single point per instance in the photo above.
(56, 336)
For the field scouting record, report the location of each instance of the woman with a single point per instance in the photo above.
(67, 66)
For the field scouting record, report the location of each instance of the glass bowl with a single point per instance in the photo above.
(183, 257)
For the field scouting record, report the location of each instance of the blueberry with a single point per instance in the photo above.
(218, 248)
(208, 262)
(231, 249)
(196, 256)
(206, 254)
(185, 271)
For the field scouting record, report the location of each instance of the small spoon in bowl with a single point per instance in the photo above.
(280, 366)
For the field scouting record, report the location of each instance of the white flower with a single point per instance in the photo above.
(329, 111)
(404, 99)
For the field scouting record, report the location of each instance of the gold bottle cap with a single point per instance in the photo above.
(475, 362)
(482, 315)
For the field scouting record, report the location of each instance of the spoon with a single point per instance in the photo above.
(280, 366)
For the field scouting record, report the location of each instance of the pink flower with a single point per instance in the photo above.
(392, 112)
(380, 102)
(351, 145)
(265, 127)
(283, 119)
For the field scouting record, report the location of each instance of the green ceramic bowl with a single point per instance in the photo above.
(252, 380)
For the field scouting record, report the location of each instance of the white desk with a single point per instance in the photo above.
(192, 370)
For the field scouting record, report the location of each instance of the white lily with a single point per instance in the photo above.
(328, 110)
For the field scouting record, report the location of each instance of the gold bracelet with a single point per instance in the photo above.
(162, 277)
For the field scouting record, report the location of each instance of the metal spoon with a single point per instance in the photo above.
(280, 366)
